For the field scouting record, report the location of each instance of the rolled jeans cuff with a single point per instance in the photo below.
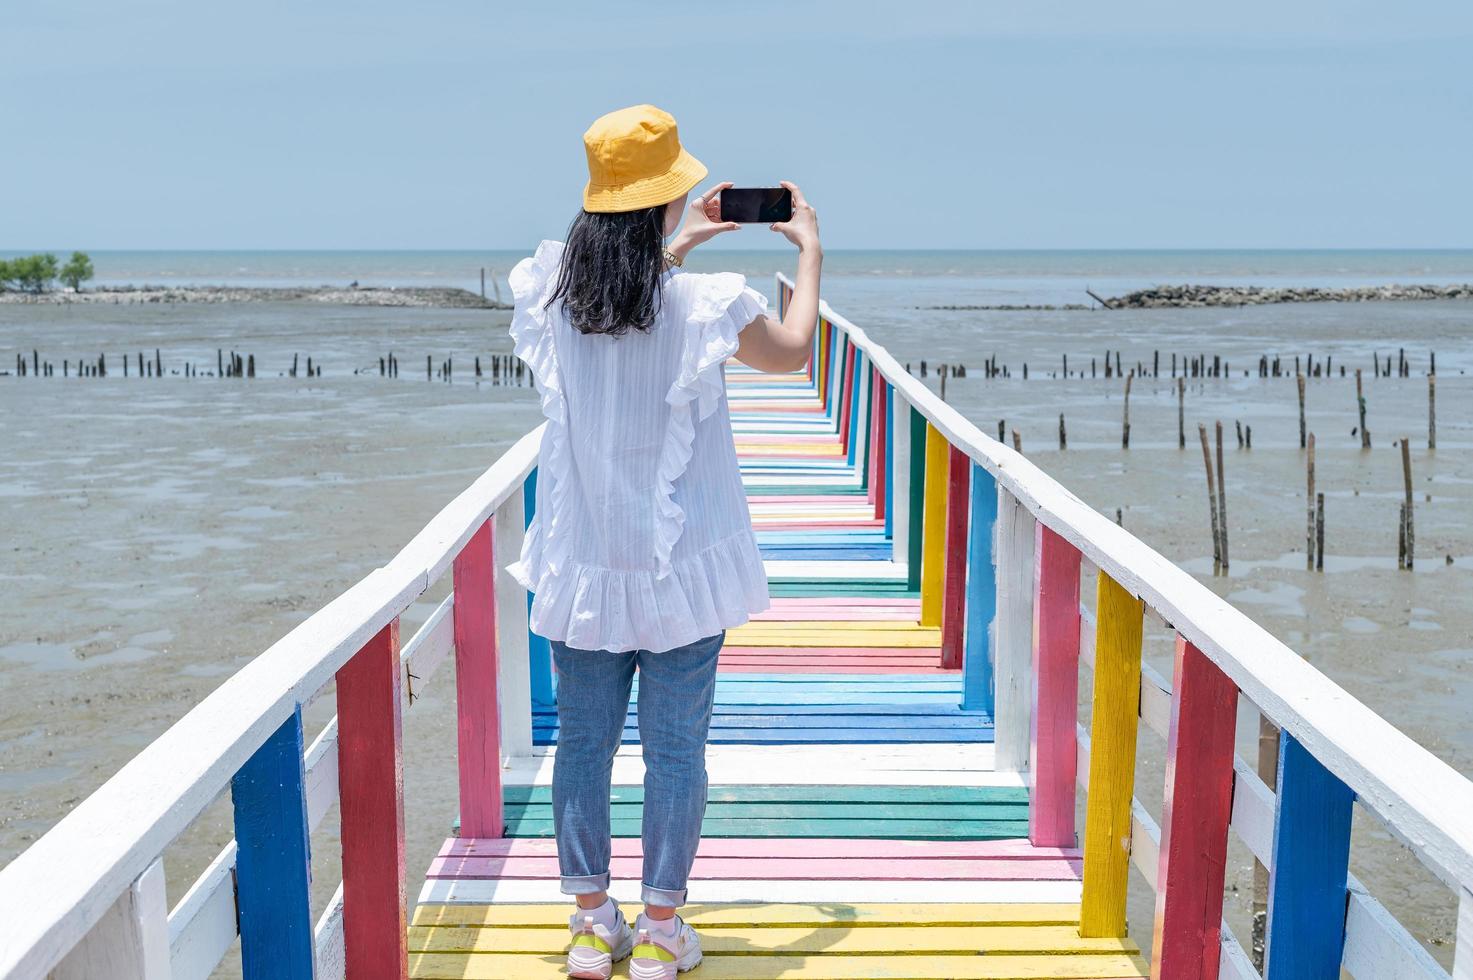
(585, 884)
(663, 897)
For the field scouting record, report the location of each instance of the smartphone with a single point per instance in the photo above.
(756, 205)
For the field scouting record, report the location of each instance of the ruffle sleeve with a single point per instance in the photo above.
(721, 306)
(533, 342)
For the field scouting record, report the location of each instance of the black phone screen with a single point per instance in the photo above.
(752, 205)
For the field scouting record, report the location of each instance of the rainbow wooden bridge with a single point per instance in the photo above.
(897, 760)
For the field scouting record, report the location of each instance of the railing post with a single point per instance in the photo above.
(858, 424)
(844, 407)
(1013, 661)
(1187, 939)
(130, 941)
(371, 793)
(899, 504)
(1305, 938)
(981, 603)
(880, 454)
(539, 651)
(954, 583)
(512, 648)
(1463, 938)
(1114, 717)
(1056, 690)
(933, 523)
(478, 714)
(273, 862)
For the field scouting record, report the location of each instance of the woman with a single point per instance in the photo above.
(641, 554)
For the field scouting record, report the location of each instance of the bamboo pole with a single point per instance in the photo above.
(1309, 505)
(1222, 524)
(1431, 411)
(1181, 408)
(1300, 379)
(1211, 500)
(1125, 423)
(1406, 473)
(1360, 401)
(1319, 532)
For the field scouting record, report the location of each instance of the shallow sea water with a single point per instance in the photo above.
(162, 532)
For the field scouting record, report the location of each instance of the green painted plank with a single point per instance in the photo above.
(867, 812)
(970, 795)
(917, 496)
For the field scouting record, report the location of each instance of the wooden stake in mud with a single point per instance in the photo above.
(1211, 500)
(1063, 437)
(1406, 473)
(1222, 524)
(943, 383)
(1125, 422)
(1309, 507)
(1431, 411)
(1319, 532)
(1001, 430)
(1401, 535)
(1017, 442)
(1300, 379)
(1181, 410)
(1360, 400)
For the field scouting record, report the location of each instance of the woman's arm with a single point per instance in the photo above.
(779, 346)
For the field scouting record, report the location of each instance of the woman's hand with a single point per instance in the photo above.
(702, 221)
(802, 228)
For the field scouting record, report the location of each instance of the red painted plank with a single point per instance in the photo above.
(928, 653)
(846, 394)
(826, 847)
(1194, 827)
(762, 525)
(790, 868)
(1056, 690)
(371, 791)
(954, 582)
(876, 393)
(882, 436)
(478, 718)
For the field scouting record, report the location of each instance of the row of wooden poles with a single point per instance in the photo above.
(1196, 366)
(1217, 478)
(500, 369)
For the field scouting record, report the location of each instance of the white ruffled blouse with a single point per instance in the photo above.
(641, 538)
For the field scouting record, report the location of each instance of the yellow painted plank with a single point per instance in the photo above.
(484, 966)
(933, 525)
(843, 625)
(1113, 725)
(790, 941)
(716, 915)
(810, 638)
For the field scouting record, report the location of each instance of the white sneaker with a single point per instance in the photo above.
(659, 958)
(595, 949)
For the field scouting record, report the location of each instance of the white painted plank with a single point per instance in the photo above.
(899, 489)
(1013, 660)
(427, 649)
(1235, 964)
(1420, 798)
(513, 671)
(1253, 812)
(945, 764)
(1155, 701)
(204, 925)
(320, 763)
(837, 569)
(485, 891)
(1377, 947)
(130, 940)
(327, 937)
(1463, 951)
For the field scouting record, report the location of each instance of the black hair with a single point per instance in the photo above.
(609, 280)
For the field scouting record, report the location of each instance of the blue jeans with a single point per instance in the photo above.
(677, 689)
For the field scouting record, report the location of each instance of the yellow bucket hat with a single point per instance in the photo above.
(635, 161)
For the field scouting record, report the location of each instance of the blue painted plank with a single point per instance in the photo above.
(273, 864)
(539, 651)
(977, 672)
(819, 736)
(1307, 890)
(790, 553)
(834, 718)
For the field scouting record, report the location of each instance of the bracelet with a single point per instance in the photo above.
(671, 258)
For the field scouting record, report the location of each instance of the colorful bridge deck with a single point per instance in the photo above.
(855, 825)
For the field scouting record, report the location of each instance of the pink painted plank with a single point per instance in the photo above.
(837, 500)
(913, 605)
(762, 525)
(826, 847)
(876, 403)
(371, 791)
(478, 721)
(1056, 689)
(831, 613)
(954, 580)
(780, 869)
(815, 652)
(847, 393)
(792, 668)
(882, 436)
(1187, 938)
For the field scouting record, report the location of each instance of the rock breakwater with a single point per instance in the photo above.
(1192, 295)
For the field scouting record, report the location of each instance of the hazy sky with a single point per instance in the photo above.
(438, 124)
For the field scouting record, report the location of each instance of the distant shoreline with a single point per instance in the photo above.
(1188, 296)
(444, 297)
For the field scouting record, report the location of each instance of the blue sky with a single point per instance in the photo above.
(438, 124)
